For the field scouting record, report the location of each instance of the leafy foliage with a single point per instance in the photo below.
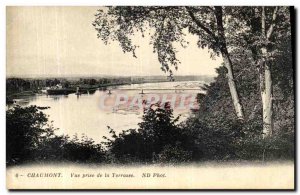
(167, 25)
(25, 128)
(31, 138)
(153, 141)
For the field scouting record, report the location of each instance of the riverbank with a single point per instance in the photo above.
(11, 95)
(83, 88)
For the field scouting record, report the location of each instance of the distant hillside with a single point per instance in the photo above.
(206, 78)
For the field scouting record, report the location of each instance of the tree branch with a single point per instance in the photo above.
(270, 31)
(221, 31)
(263, 21)
(199, 24)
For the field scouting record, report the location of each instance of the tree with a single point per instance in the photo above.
(30, 139)
(26, 128)
(169, 25)
(265, 29)
(158, 138)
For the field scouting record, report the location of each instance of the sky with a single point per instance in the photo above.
(61, 41)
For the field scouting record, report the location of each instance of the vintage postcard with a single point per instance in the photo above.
(150, 97)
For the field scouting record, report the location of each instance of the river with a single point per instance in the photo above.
(83, 114)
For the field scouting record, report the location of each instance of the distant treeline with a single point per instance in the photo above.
(15, 85)
(18, 84)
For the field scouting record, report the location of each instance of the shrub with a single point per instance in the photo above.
(174, 154)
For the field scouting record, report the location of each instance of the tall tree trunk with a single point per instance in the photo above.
(266, 88)
(231, 83)
(266, 85)
(228, 63)
(268, 103)
(220, 40)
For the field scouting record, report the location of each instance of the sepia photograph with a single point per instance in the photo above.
(150, 97)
